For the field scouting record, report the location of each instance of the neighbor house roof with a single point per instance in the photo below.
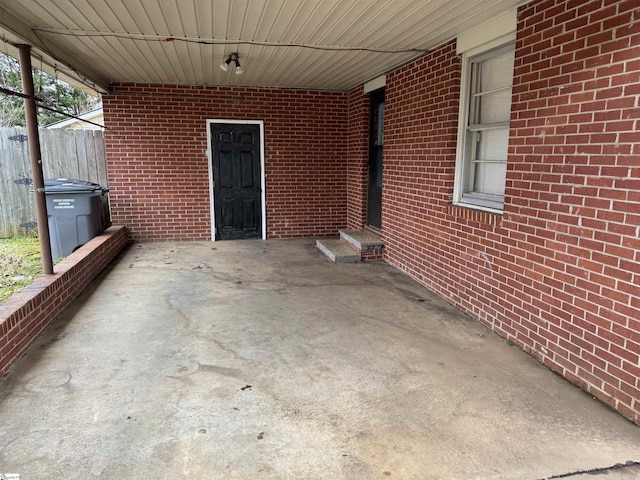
(95, 116)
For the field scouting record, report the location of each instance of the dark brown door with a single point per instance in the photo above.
(237, 175)
(374, 197)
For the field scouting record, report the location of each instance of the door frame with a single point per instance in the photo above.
(260, 124)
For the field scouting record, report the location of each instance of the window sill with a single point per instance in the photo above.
(468, 212)
(481, 208)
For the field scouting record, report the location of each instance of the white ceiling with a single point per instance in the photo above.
(316, 44)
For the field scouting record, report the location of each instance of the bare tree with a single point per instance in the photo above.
(51, 92)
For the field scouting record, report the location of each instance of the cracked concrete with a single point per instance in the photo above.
(254, 359)
(620, 471)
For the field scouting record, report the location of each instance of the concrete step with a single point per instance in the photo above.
(337, 250)
(361, 239)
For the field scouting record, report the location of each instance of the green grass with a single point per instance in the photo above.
(19, 264)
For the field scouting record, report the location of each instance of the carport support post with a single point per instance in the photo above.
(35, 156)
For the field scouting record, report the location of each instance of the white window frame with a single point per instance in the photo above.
(472, 201)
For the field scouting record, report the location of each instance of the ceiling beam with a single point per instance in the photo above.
(51, 50)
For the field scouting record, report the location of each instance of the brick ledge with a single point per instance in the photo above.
(25, 315)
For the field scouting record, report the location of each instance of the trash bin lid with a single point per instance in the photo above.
(70, 185)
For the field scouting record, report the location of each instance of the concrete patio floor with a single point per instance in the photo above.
(252, 359)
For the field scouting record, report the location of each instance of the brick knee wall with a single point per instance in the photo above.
(29, 311)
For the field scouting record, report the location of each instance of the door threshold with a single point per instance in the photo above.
(372, 229)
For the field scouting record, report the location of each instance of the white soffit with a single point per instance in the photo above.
(314, 44)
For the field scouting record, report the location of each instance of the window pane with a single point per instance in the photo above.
(375, 168)
(490, 178)
(378, 124)
(492, 144)
(493, 107)
(497, 71)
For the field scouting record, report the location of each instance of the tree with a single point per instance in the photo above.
(52, 92)
(11, 108)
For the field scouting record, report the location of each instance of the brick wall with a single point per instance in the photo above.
(559, 272)
(156, 139)
(573, 219)
(25, 315)
(421, 118)
(357, 152)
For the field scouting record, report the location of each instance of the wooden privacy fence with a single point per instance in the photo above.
(65, 154)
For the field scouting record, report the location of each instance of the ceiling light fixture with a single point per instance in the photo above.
(233, 57)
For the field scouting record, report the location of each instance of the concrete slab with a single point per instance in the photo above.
(252, 359)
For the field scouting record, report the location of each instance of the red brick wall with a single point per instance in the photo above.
(421, 118)
(572, 223)
(559, 272)
(357, 152)
(25, 315)
(158, 169)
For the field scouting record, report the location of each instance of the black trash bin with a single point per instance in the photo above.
(76, 213)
